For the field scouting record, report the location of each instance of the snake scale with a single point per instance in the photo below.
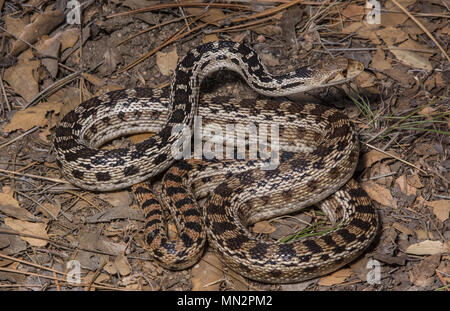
(317, 157)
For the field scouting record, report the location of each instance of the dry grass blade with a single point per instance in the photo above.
(185, 4)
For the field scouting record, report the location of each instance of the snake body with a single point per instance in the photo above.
(319, 151)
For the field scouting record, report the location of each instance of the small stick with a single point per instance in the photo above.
(423, 28)
(34, 128)
(35, 176)
(395, 157)
(30, 264)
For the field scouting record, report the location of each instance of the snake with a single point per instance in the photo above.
(318, 152)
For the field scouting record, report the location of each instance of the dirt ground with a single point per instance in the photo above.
(399, 104)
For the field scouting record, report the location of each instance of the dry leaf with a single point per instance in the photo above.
(22, 76)
(207, 273)
(379, 61)
(414, 181)
(353, 12)
(441, 208)
(42, 25)
(402, 228)
(122, 265)
(373, 156)
(26, 227)
(9, 206)
(32, 116)
(378, 193)
(424, 235)
(411, 59)
(404, 186)
(421, 274)
(167, 62)
(428, 247)
(337, 277)
(263, 227)
(51, 62)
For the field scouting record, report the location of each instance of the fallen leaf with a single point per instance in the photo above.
(379, 62)
(263, 227)
(42, 25)
(26, 227)
(402, 228)
(373, 156)
(337, 277)
(424, 235)
(421, 274)
(353, 12)
(414, 181)
(441, 208)
(378, 193)
(207, 273)
(404, 186)
(122, 265)
(427, 247)
(411, 59)
(51, 61)
(32, 116)
(392, 35)
(9, 206)
(167, 62)
(22, 76)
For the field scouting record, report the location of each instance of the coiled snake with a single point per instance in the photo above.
(317, 157)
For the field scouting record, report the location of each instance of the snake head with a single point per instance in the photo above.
(337, 71)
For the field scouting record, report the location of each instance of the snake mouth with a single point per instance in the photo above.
(352, 69)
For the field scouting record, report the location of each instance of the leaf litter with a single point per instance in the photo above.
(402, 109)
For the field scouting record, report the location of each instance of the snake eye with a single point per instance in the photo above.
(345, 72)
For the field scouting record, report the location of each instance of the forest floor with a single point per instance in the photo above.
(399, 104)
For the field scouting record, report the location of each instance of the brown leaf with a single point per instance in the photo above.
(441, 208)
(263, 227)
(26, 227)
(22, 76)
(207, 273)
(167, 62)
(42, 25)
(428, 247)
(379, 193)
(353, 12)
(404, 186)
(9, 206)
(30, 117)
(379, 60)
(51, 62)
(337, 277)
(411, 59)
(421, 274)
(402, 228)
(373, 156)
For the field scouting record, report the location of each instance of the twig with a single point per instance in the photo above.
(35, 176)
(37, 203)
(34, 128)
(395, 157)
(184, 4)
(30, 264)
(423, 28)
(53, 88)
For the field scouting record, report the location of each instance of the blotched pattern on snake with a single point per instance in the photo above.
(317, 157)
